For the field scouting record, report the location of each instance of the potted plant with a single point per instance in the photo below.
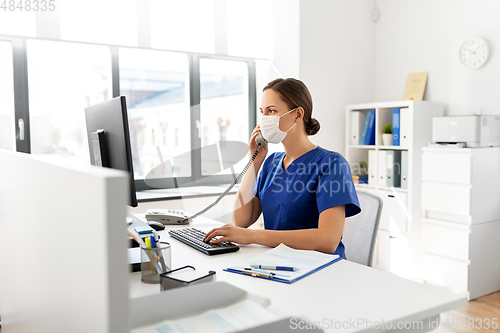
(387, 134)
(363, 173)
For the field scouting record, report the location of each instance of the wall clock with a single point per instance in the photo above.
(474, 52)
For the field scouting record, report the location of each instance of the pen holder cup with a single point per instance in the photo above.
(154, 262)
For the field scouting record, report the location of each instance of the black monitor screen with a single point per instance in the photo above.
(109, 138)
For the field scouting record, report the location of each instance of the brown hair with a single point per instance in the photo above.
(295, 93)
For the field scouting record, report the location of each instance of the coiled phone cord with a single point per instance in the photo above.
(236, 180)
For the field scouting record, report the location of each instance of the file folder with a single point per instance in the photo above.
(395, 127)
(393, 168)
(404, 169)
(372, 168)
(404, 127)
(370, 133)
(363, 140)
(382, 168)
(357, 123)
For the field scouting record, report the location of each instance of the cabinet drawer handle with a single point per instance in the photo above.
(392, 236)
(390, 196)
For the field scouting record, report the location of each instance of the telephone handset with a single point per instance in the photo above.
(261, 143)
(259, 139)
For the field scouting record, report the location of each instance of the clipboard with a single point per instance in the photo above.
(306, 261)
(277, 278)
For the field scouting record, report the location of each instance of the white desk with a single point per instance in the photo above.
(342, 292)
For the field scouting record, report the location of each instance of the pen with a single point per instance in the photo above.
(275, 268)
(253, 273)
(155, 261)
(152, 241)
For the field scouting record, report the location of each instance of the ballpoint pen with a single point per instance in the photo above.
(152, 256)
(249, 271)
(155, 261)
(275, 268)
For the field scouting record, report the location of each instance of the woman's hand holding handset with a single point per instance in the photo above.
(262, 150)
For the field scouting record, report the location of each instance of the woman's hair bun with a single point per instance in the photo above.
(312, 127)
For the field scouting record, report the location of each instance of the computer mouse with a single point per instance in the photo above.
(156, 225)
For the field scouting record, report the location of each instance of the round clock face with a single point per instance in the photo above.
(474, 53)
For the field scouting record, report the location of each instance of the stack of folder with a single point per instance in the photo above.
(363, 128)
(388, 169)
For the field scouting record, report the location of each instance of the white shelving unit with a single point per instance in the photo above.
(397, 249)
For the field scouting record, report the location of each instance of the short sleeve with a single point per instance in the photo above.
(335, 186)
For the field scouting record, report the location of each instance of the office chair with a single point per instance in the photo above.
(360, 231)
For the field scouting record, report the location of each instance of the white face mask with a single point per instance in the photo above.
(270, 128)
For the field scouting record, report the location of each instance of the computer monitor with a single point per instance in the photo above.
(109, 138)
(63, 253)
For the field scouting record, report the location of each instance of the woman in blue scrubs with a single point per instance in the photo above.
(305, 193)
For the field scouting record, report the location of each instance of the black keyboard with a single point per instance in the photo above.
(194, 238)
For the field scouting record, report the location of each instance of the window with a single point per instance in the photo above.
(7, 120)
(170, 119)
(65, 78)
(224, 99)
(155, 84)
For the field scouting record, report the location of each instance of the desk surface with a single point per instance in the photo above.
(344, 292)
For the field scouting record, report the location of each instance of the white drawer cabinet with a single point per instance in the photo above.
(445, 239)
(447, 167)
(392, 251)
(460, 225)
(446, 272)
(394, 213)
(446, 198)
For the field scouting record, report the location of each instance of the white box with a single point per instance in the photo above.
(474, 131)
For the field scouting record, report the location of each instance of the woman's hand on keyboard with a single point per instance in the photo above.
(229, 233)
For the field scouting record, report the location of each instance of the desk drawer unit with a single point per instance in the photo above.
(446, 198)
(394, 213)
(446, 272)
(460, 228)
(446, 239)
(392, 252)
(447, 167)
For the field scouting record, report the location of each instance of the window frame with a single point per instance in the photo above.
(21, 94)
(21, 106)
(196, 178)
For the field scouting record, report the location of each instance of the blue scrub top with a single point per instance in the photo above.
(293, 198)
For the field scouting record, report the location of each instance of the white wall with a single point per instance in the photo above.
(425, 35)
(286, 29)
(337, 61)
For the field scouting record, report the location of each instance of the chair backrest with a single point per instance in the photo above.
(360, 231)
